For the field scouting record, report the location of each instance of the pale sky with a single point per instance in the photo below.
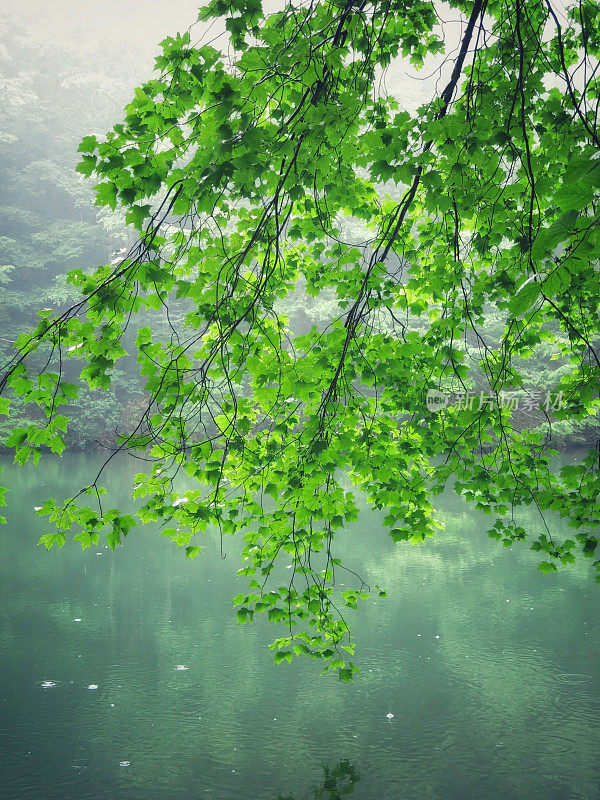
(142, 24)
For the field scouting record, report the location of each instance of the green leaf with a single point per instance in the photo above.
(106, 195)
(547, 566)
(88, 144)
(137, 215)
(525, 298)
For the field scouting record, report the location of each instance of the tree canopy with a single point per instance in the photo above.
(455, 244)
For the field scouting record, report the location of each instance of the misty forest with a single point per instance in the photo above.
(299, 396)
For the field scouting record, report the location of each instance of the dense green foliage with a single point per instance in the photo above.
(252, 172)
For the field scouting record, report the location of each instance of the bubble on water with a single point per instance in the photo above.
(93, 686)
(181, 668)
(437, 636)
(573, 677)
(390, 716)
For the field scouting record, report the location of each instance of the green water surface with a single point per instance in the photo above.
(489, 668)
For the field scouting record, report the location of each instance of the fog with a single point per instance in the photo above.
(139, 26)
(141, 23)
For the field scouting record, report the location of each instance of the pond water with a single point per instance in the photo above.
(124, 675)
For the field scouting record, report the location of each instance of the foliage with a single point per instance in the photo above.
(237, 170)
(47, 220)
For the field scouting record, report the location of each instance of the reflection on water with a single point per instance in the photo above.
(338, 783)
(126, 676)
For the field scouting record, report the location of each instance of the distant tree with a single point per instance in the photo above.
(238, 169)
(50, 97)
